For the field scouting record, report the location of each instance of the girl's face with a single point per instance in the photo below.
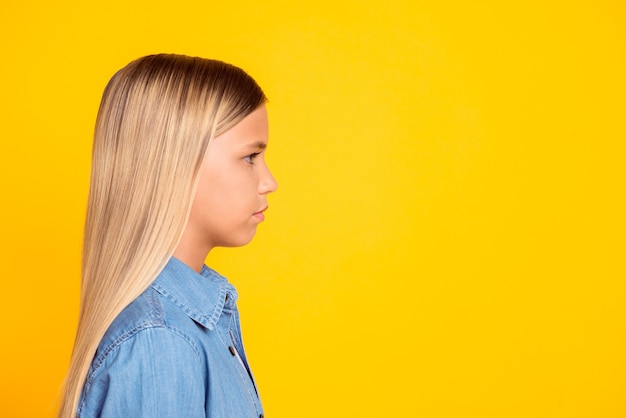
(233, 186)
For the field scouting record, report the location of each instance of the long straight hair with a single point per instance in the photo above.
(156, 119)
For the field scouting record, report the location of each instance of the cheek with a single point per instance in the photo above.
(227, 193)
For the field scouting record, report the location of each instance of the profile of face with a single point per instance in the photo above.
(233, 186)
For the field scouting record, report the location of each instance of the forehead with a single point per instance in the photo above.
(250, 132)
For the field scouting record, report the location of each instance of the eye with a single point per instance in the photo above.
(250, 158)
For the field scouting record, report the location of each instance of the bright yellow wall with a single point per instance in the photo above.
(449, 233)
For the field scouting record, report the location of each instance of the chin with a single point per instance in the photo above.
(239, 241)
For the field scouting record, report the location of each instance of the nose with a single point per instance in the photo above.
(268, 183)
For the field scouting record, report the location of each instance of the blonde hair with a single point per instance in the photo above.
(156, 119)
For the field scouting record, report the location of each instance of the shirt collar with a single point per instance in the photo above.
(202, 296)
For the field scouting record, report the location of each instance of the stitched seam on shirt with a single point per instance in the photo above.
(244, 376)
(129, 335)
(154, 311)
(217, 312)
(208, 322)
(191, 312)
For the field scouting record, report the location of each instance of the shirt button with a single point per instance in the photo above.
(232, 350)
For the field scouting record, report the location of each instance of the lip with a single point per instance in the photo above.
(259, 215)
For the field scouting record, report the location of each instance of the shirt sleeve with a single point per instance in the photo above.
(155, 373)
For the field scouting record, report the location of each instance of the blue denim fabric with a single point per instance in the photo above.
(176, 351)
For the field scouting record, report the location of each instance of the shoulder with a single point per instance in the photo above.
(148, 353)
(144, 323)
(154, 372)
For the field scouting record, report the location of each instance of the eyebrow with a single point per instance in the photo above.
(257, 146)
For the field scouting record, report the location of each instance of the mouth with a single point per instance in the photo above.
(259, 215)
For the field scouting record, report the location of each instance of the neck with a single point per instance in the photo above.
(192, 255)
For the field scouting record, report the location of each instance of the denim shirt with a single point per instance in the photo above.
(176, 351)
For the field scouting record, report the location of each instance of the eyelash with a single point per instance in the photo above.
(250, 158)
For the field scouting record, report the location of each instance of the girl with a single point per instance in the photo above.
(178, 168)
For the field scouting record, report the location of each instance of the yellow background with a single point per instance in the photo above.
(449, 232)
